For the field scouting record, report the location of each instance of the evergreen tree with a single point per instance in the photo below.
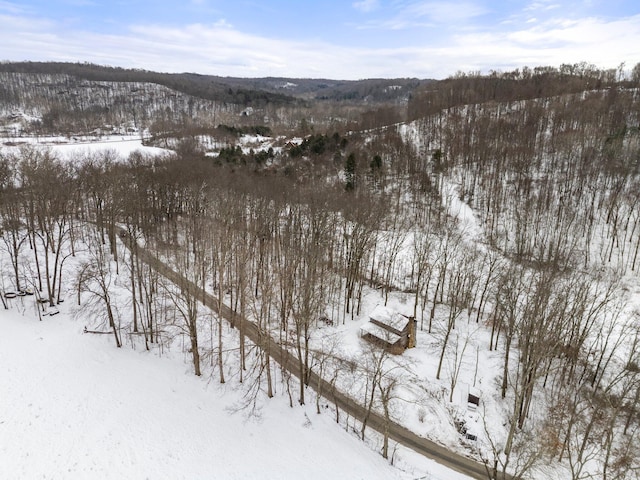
(350, 171)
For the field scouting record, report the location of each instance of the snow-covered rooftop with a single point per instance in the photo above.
(389, 317)
(379, 332)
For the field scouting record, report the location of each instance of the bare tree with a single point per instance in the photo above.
(48, 184)
(97, 280)
(460, 286)
(184, 298)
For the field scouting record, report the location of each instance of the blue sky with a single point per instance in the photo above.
(333, 39)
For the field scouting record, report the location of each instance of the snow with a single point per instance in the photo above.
(257, 143)
(70, 149)
(74, 406)
(461, 211)
(423, 401)
(379, 332)
(389, 317)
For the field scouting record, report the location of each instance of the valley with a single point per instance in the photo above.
(499, 213)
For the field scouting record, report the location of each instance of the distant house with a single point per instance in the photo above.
(390, 330)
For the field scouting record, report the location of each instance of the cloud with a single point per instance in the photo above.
(542, 5)
(219, 48)
(82, 3)
(451, 13)
(601, 42)
(427, 14)
(12, 8)
(223, 23)
(21, 26)
(366, 5)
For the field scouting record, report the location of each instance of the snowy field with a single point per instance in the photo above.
(69, 149)
(73, 406)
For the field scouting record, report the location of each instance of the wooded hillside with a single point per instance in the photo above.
(505, 205)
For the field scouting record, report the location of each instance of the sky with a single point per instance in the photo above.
(350, 39)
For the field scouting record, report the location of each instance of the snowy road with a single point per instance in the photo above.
(376, 421)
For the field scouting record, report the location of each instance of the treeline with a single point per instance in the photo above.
(272, 243)
(290, 256)
(520, 84)
(286, 103)
(201, 86)
(62, 104)
(261, 130)
(393, 91)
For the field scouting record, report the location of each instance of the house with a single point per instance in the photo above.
(390, 330)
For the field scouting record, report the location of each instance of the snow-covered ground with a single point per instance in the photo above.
(73, 406)
(461, 212)
(69, 149)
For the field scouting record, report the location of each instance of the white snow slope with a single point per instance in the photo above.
(73, 406)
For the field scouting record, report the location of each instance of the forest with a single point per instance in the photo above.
(502, 209)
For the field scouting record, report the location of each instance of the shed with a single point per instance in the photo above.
(469, 396)
(473, 398)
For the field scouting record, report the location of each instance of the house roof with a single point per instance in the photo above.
(380, 333)
(475, 392)
(389, 317)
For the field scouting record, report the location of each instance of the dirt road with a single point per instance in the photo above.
(280, 354)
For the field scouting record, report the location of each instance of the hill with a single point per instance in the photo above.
(74, 407)
(77, 98)
(501, 215)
